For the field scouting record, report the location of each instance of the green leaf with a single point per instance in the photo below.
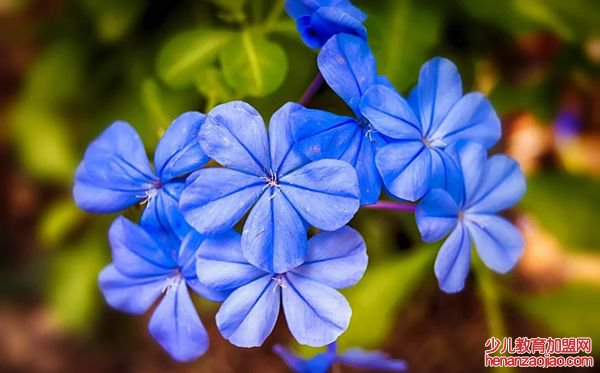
(565, 312)
(72, 285)
(252, 65)
(211, 84)
(402, 34)
(567, 206)
(184, 56)
(43, 142)
(113, 18)
(232, 10)
(381, 294)
(571, 20)
(58, 221)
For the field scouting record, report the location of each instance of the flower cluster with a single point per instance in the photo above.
(224, 170)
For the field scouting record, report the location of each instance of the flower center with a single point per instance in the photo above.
(172, 281)
(367, 128)
(433, 143)
(279, 281)
(271, 179)
(151, 192)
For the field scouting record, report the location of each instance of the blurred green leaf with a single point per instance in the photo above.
(571, 20)
(58, 220)
(212, 85)
(56, 76)
(567, 206)
(381, 294)
(184, 56)
(538, 96)
(43, 142)
(232, 10)
(72, 284)
(253, 65)
(402, 33)
(571, 311)
(113, 18)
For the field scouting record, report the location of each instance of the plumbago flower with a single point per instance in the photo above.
(148, 263)
(266, 175)
(316, 313)
(348, 66)
(115, 172)
(435, 116)
(355, 358)
(470, 214)
(318, 20)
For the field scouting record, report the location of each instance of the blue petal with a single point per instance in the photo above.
(248, 315)
(215, 199)
(471, 158)
(315, 313)
(136, 253)
(390, 114)
(128, 294)
(234, 135)
(446, 174)
(361, 155)
(502, 185)
(178, 151)
(348, 66)
(472, 118)
(439, 88)
(187, 263)
(346, 6)
(321, 134)
(299, 8)
(436, 215)
(337, 259)
(498, 243)
(220, 264)
(453, 261)
(375, 360)
(115, 172)
(405, 167)
(274, 236)
(319, 363)
(175, 325)
(326, 22)
(324, 192)
(162, 210)
(285, 155)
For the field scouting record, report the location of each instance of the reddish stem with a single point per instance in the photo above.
(392, 206)
(311, 90)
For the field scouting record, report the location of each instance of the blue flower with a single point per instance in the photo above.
(266, 175)
(148, 263)
(316, 313)
(470, 214)
(115, 172)
(355, 358)
(435, 116)
(348, 66)
(318, 20)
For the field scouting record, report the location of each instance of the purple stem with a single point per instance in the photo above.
(392, 206)
(311, 90)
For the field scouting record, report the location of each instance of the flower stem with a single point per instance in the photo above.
(392, 206)
(311, 90)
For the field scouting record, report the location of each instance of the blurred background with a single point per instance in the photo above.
(70, 68)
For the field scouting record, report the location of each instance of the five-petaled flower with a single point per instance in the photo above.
(470, 214)
(435, 116)
(318, 20)
(354, 357)
(316, 313)
(348, 66)
(287, 190)
(148, 262)
(115, 172)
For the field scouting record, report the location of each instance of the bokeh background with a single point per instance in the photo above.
(69, 68)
